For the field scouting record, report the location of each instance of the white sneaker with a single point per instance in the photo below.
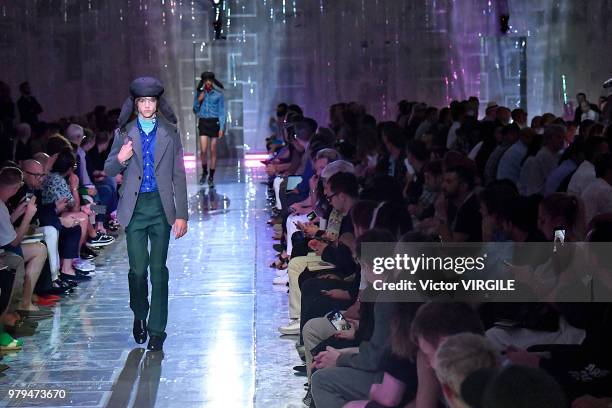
(83, 265)
(281, 280)
(292, 328)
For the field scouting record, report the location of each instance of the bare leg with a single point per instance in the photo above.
(34, 256)
(67, 267)
(204, 150)
(213, 153)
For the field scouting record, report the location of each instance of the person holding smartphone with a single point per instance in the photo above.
(209, 107)
(153, 201)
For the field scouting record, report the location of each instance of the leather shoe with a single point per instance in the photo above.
(140, 331)
(156, 343)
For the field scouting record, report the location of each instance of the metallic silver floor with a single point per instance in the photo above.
(222, 350)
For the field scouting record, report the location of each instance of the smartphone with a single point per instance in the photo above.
(311, 216)
(338, 321)
(27, 197)
(559, 238)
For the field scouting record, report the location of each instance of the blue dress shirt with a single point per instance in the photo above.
(213, 106)
(149, 183)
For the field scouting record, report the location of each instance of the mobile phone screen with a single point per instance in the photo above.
(338, 321)
(559, 238)
(311, 216)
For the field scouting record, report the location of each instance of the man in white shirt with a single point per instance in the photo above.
(33, 254)
(585, 173)
(597, 197)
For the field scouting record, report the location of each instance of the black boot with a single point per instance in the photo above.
(140, 331)
(211, 182)
(204, 174)
(156, 343)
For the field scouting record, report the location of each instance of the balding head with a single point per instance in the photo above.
(43, 158)
(32, 165)
(34, 174)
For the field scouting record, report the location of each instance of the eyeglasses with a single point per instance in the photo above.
(329, 197)
(37, 175)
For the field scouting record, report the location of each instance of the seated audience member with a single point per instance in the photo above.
(305, 134)
(597, 196)
(417, 158)
(494, 200)
(319, 334)
(299, 211)
(585, 173)
(392, 161)
(459, 356)
(523, 387)
(559, 178)
(432, 324)
(57, 191)
(509, 166)
(62, 234)
(566, 263)
(335, 250)
(33, 254)
(344, 376)
(337, 224)
(536, 169)
(509, 136)
(457, 211)
(432, 186)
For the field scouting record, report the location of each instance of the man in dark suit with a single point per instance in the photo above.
(148, 152)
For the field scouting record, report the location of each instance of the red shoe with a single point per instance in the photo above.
(45, 302)
(49, 297)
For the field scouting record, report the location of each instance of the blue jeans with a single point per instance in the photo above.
(107, 196)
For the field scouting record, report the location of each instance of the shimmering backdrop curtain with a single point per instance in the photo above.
(79, 53)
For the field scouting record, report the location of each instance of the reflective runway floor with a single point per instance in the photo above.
(222, 350)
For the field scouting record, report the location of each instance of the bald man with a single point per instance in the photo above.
(62, 233)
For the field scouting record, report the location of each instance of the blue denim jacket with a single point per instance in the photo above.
(213, 106)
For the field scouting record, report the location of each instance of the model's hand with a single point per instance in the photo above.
(179, 228)
(220, 134)
(201, 96)
(126, 152)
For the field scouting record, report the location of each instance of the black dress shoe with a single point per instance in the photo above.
(156, 343)
(68, 280)
(75, 277)
(140, 331)
(88, 253)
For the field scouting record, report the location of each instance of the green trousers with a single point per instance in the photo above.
(149, 224)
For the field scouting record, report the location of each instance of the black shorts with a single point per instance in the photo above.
(209, 127)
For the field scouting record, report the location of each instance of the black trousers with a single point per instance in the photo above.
(316, 304)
